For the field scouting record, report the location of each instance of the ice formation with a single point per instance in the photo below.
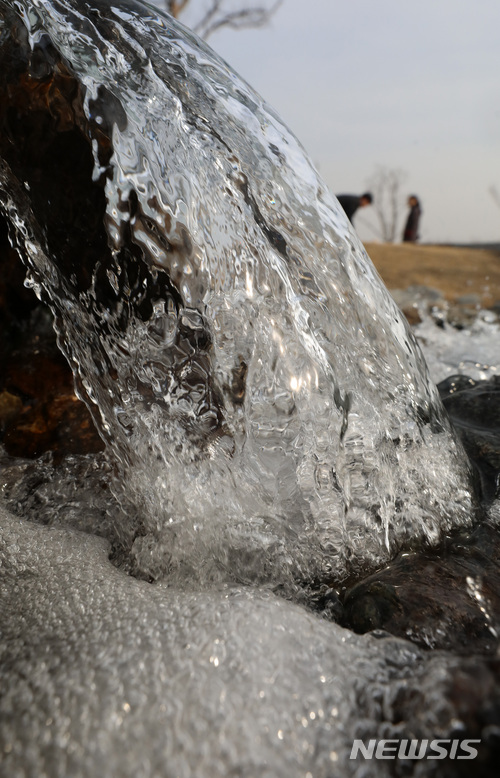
(266, 407)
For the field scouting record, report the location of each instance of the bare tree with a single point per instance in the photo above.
(218, 15)
(385, 185)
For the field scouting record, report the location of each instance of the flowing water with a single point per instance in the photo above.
(269, 420)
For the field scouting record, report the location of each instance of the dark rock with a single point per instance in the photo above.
(39, 410)
(10, 407)
(447, 599)
(474, 409)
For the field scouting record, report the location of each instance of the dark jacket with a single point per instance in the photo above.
(350, 204)
(410, 234)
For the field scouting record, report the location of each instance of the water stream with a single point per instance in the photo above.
(269, 419)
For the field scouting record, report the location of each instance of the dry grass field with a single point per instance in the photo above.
(454, 271)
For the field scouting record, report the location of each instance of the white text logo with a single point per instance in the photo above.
(414, 749)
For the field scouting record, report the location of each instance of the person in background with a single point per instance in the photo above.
(410, 233)
(351, 203)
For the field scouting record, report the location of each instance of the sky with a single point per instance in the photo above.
(413, 86)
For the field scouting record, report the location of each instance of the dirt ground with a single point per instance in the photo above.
(453, 271)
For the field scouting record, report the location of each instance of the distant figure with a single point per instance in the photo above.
(410, 234)
(351, 203)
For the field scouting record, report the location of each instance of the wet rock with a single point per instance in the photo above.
(39, 410)
(447, 598)
(412, 313)
(416, 301)
(462, 315)
(326, 601)
(49, 416)
(474, 408)
(439, 600)
(10, 408)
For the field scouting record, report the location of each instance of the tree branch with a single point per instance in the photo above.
(217, 16)
(236, 20)
(385, 184)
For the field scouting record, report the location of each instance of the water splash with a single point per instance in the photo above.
(266, 409)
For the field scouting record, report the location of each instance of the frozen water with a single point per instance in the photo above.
(472, 351)
(267, 411)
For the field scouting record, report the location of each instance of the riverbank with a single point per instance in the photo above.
(460, 274)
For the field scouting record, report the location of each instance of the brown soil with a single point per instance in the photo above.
(453, 271)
